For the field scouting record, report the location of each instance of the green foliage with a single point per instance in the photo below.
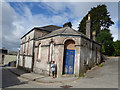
(101, 21)
(81, 75)
(116, 45)
(100, 18)
(105, 38)
(101, 65)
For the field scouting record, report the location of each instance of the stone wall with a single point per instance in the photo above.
(26, 49)
(40, 33)
(90, 54)
(29, 36)
(43, 65)
(87, 54)
(9, 58)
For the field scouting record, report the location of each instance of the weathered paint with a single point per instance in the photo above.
(86, 54)
(26, 48)
(28, 62)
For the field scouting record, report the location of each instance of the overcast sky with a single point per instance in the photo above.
(20, 17)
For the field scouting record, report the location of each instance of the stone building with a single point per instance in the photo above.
(72, 51)
(26, 55)
(3, 52)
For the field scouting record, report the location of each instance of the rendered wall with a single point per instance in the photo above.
(28, 62)
(90, 55)
(26, 48)
(58, 54)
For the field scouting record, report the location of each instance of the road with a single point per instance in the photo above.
(100, 77)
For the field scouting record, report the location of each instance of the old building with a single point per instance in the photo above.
(3, 52)
(26, 56)
(7, 57)
(72, 51)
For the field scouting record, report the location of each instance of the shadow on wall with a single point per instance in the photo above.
(12, 64)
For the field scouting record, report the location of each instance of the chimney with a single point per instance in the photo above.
(68, 24)
(88, 28)
(94, 35)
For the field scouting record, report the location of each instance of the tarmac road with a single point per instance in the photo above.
(100, 77)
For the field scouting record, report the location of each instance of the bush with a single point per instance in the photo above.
(82, 75)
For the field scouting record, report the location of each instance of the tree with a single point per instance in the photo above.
(100, 19)
(117, 48)
(100, 22)
(105, 38)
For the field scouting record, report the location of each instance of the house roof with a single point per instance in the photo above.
(48, 28)
(63, 31)
(66, 31)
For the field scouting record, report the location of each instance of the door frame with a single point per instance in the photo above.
(63, 68)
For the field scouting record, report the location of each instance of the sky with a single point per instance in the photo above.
(20, 17)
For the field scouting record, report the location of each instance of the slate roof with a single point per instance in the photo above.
(63, 31)
(48, 28)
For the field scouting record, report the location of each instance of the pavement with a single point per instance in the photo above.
(40, 78)
(99, 77)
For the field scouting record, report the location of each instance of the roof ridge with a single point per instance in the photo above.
(78, 31)
(50, 25)
(64, 29)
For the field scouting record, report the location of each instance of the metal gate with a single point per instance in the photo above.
(69, 61)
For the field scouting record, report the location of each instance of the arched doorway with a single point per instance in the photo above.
(69, 57)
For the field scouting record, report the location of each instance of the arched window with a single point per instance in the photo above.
(21, 49)
(25, 46)
(39, 53)
(28, 46)
(51, 51)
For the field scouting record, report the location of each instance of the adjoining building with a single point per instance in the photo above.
(7, 57)
(72, 51)
(3, 52)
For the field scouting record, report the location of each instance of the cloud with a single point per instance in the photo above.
(114, 29)
(114, 32)
(10, 27)
(59, 1)
(15, 26)
(0, 25)
(76, 11)
(19, 20)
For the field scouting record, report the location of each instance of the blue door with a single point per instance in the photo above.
(69, 61)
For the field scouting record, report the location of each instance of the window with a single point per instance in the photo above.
(25, 46)
(51, 51)
(39, 53)
(28, 46)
